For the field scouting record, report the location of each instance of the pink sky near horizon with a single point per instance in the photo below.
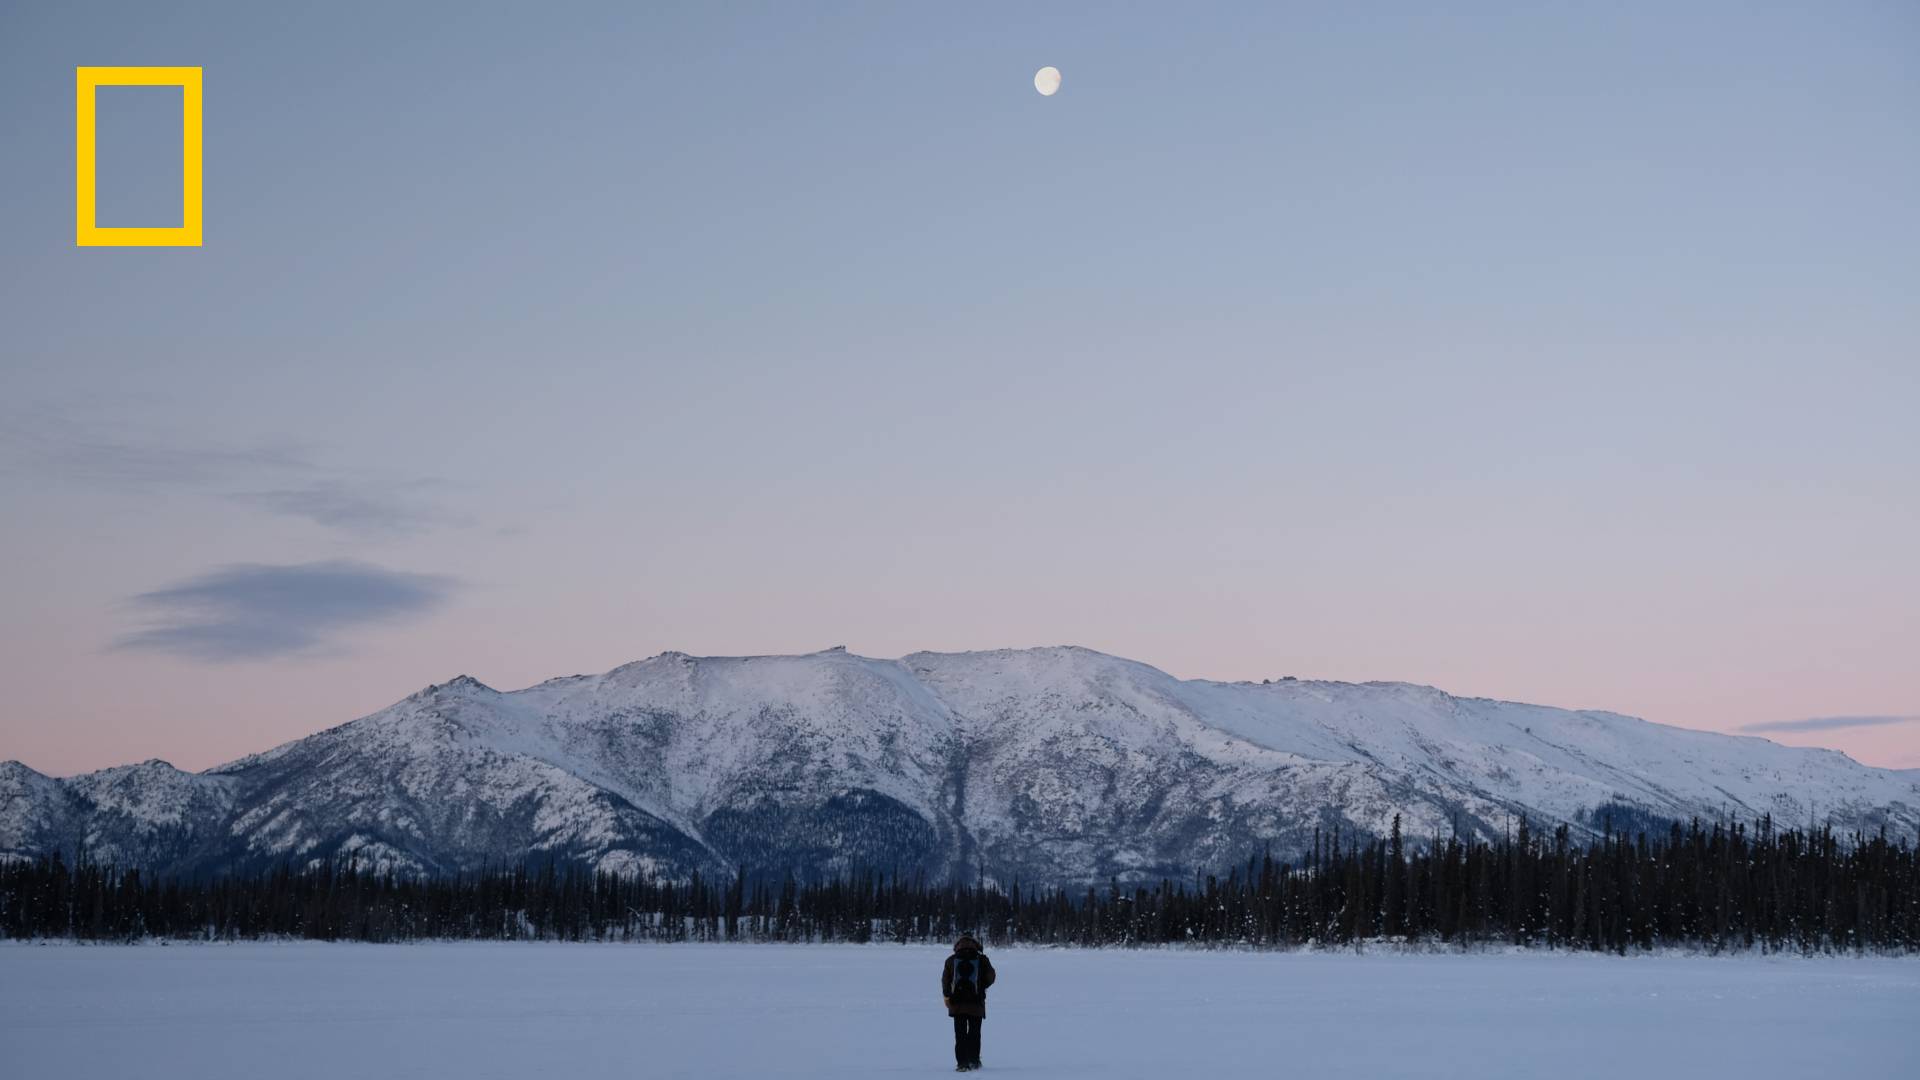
(198, 718)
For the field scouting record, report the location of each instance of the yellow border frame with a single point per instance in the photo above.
(88, 234)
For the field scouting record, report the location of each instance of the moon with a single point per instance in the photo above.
(1047, 81)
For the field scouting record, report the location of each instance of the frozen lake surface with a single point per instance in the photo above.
(286, 1011)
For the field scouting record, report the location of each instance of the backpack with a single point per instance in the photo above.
(966, 978)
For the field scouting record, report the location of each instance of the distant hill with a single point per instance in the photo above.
(1056, 765)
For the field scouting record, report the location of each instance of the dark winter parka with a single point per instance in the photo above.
(966, 951)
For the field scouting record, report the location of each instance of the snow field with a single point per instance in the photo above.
(474, 1010)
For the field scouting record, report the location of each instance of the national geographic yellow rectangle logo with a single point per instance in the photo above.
(88, 79)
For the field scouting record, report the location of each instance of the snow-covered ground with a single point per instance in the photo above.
(467, 1011)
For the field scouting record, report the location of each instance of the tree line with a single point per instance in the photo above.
(1715, 887)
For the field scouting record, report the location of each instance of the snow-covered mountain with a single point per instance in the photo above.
(1056, 765)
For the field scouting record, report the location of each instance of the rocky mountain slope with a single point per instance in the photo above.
(1055, 765)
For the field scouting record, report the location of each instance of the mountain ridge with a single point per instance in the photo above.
(1056, 764)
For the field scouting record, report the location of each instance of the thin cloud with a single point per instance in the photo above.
(337, 506)
(1829, 723)
(262, 612)
(282, 479)
(128, 463)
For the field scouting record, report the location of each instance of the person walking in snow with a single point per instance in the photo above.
(963, 986)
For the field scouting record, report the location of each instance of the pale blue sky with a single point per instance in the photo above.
(1538, 352)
